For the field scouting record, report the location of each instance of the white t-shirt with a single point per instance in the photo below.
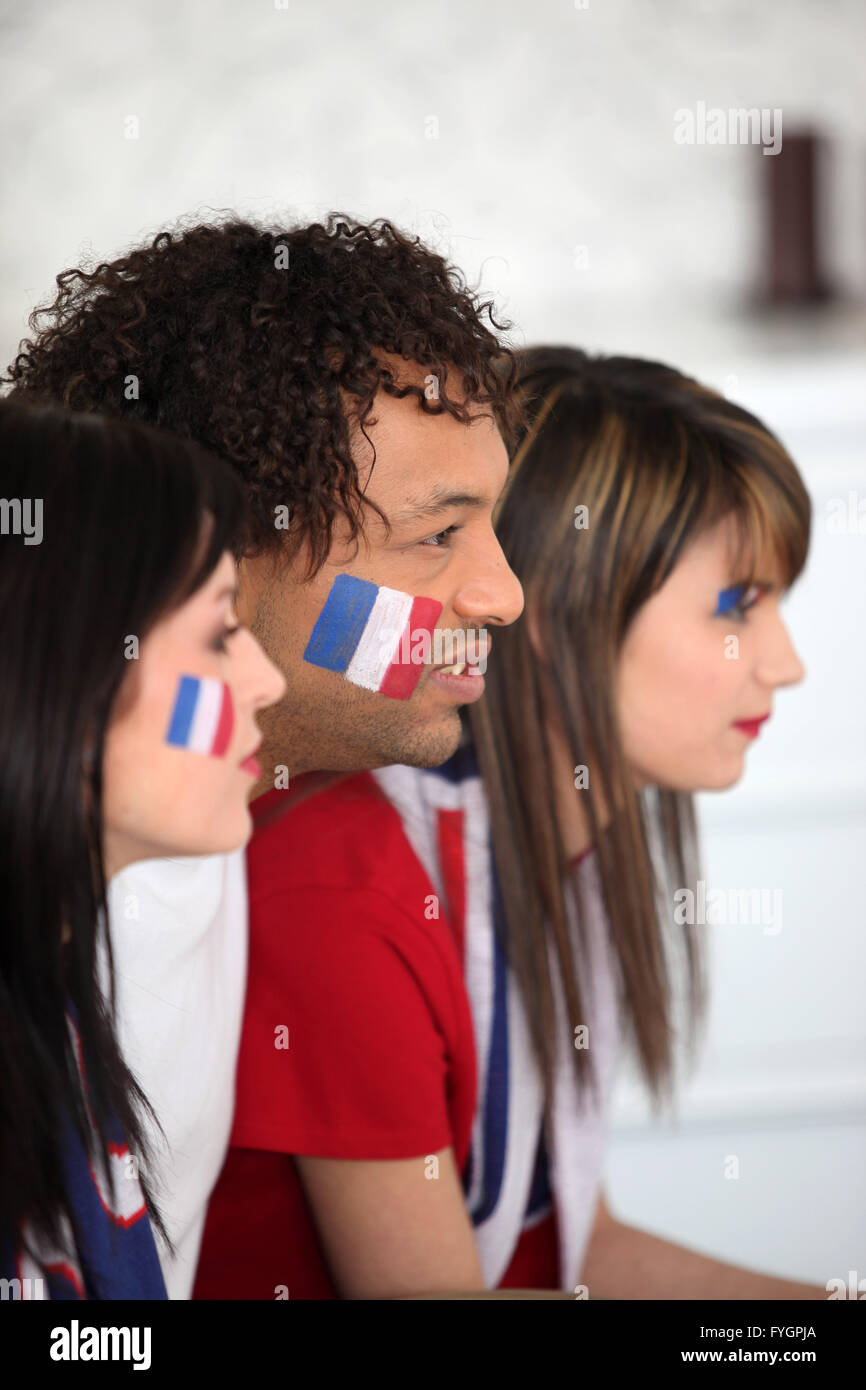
(179, 932)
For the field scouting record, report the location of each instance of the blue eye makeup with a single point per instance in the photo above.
(737, 599)
(728, 599)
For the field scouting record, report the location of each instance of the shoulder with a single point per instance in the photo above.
(345, 838)
(337, 892)
(182, 895)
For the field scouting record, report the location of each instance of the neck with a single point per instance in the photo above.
(117, 854)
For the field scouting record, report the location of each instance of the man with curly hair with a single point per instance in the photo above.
(349, 376)
(274, 348)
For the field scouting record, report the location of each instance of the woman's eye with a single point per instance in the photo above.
(749, 599)
(439, 534)
(219, 644)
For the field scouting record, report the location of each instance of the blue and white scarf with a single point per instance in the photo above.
(109, 1252)
(515, 1170)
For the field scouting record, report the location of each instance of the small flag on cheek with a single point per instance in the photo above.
(367, 633)
(203, 716)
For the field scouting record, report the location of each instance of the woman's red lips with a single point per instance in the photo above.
(751, 726)
(250, 763)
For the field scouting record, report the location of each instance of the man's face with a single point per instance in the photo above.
(437, 481)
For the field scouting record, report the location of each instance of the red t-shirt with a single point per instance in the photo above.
(368, 992)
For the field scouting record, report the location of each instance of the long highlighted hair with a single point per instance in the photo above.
(656, 459)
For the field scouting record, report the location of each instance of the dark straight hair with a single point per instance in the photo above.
(133, 521)
(657, 459)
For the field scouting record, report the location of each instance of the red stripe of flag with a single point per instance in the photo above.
(403, 675)
(225, 724)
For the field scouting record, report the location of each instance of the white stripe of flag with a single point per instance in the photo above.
(380, 640)
(206, 717)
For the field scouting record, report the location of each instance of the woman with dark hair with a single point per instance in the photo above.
(127, 703)
(527, 888)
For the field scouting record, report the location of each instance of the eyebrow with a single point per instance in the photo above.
(439, 501)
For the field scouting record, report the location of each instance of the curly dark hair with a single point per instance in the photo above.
(252, 339)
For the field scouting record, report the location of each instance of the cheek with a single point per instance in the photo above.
(202, 718)
(675, 701)
(149, 784)
(169, 776)
(657, 684)
(374, 636)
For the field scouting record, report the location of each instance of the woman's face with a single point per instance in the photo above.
(181, 728)
(684, 683)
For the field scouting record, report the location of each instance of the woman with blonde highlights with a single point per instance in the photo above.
(655, 527)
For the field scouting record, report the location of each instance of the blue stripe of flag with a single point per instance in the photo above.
(340, 624)
(184, 710)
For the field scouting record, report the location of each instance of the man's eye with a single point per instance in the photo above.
(439, 534)
(219, 643)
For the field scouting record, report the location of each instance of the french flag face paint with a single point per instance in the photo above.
(368, 633)
(203, 716)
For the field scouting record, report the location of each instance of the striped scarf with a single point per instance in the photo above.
(111, 1252)
(517, 1167)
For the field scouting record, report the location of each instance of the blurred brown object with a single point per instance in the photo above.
(793, 262)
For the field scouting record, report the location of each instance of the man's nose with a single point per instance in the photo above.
(492, 593)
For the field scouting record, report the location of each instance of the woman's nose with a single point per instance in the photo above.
(262, 683)
(780, 664)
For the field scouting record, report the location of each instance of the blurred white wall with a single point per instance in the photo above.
(516, 132)
(535, 145)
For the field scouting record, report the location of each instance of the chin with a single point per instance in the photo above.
(237, 836)
(229, 833)
(722, 779)
(734, 778)
(710, 779)
(426, 746)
